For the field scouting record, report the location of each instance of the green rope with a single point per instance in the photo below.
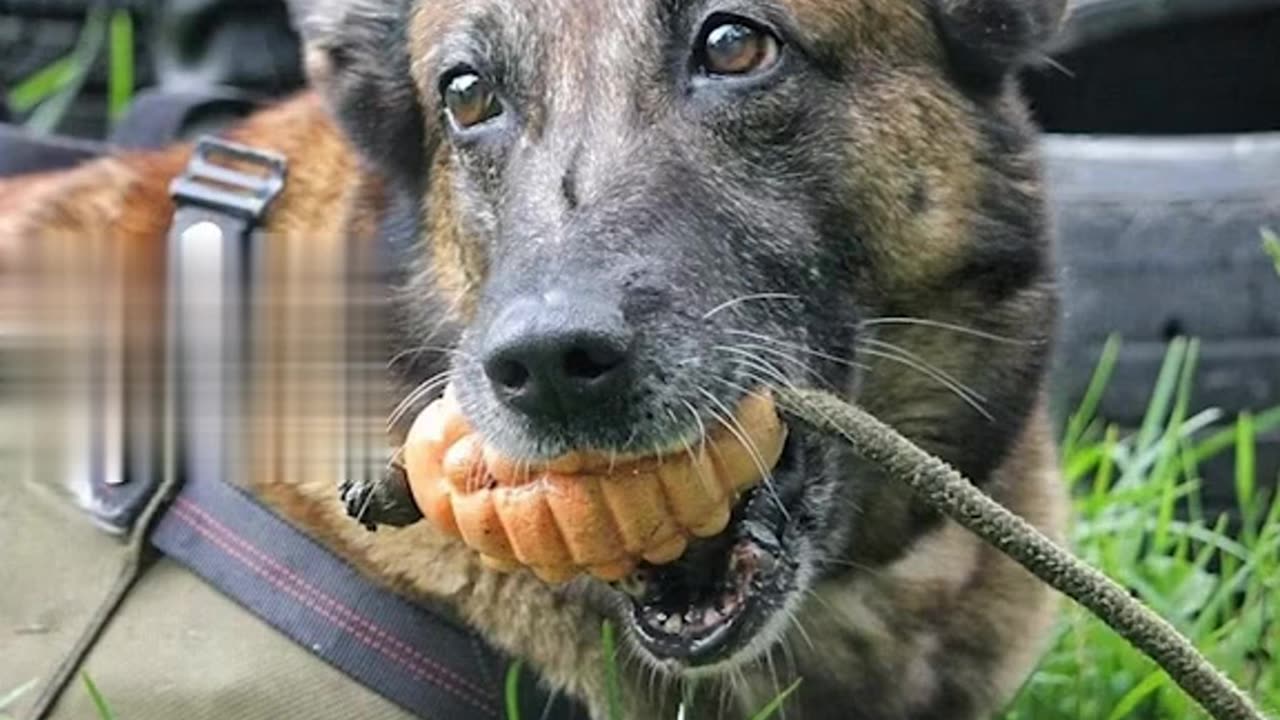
(946, 491)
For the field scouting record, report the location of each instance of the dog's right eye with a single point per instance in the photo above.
(733, 46)
(470, 99)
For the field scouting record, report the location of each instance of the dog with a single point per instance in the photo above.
(625, 216)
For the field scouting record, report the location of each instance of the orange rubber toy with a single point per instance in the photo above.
(585, 512)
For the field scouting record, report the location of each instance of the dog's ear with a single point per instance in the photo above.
(989, 38)
(356, 56)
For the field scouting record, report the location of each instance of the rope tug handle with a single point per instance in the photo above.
(945, 490)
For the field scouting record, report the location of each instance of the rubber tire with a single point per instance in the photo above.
(1161, 169)
(1093, 21)
(1160, 238)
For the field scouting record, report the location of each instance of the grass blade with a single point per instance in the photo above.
(612, 688)
(1134, 697)
(1166, 471)
(1087, 411)
(1246, 475)
(120, 80)
(1163, 395)
(512, 690)
(42, 84)
(1225, 439)
(99, 702)
(49, 113)
(775, 705)
(1271, 244)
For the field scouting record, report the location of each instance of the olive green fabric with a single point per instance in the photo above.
(177, 649)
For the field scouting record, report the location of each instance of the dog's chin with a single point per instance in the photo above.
(727, 599)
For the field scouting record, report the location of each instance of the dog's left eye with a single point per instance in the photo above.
(733, 46)
(470, 99)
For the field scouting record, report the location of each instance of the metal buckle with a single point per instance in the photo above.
(231, 178)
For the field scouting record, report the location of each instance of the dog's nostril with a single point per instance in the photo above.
(591, 363)
(509, 374)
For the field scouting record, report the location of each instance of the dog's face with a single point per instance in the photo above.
(636, 212)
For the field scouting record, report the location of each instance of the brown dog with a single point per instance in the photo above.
(627, 214)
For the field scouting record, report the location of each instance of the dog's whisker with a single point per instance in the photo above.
(943, 325)
(746, 299)
(766, 373)
(731, 423)
(903, 352)
(800, 349)
(968, 395)
(416, 396)
(958, 390)
(771, 375)
(746, 350)
(789, 652)
(773, 675)
(445, 350)
(793, 621)
(841, 563)
(697, 419)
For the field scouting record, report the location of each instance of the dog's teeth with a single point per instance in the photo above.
(674, 625)
(711, 618)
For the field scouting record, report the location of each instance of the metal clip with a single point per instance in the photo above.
(231, 178)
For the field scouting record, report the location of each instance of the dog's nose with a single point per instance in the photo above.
(557, 355)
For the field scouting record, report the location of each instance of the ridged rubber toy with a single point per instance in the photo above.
(586, 513)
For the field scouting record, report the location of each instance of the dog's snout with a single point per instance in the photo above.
(558, 355)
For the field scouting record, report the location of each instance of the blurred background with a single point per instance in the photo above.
(1162, 147)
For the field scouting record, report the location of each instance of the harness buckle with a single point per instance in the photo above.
(231, 178)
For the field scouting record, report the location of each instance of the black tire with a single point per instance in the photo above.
(1094, 21)
(1163, 166)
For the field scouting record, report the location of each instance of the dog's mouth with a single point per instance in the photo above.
(709, 537)
(710, 605)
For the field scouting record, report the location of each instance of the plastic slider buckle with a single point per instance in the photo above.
(230, 178)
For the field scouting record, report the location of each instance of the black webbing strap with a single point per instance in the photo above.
(22, 151)
(157, 118)
(411, 656)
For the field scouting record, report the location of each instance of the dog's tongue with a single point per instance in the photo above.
(585, 512)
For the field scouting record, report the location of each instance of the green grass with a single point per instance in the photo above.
(1271, 244)
(99, 703)
(1140, 517)
(46, 95)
